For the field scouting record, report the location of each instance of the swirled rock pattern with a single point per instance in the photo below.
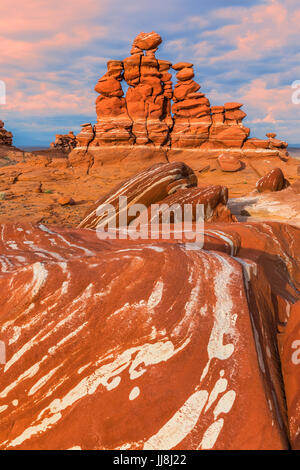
(147, 187)
(143, 345)
(272, 181)
(211, 199)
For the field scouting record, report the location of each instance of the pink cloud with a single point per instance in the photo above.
(51, 101)
(27, 32)
(260, 29)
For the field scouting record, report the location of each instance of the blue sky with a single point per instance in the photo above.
(54, 52)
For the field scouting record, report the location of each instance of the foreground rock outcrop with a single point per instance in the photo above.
(152, 343)
(164, 185)
(148, 187)
(99, 357)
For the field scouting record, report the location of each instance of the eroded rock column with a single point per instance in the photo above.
(191, 110)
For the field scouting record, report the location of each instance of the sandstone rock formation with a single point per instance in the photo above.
(212, 198)
(147, 187)
(64, 142)
(272, 181)
(86, 135)
(98, 357)
(6, 138)
(153, 114)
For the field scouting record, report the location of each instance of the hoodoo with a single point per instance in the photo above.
(153, 113)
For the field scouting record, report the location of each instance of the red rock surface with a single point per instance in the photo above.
(289, 341)
(272, 181)
(147, 187)
(213, 198)
(96, 351)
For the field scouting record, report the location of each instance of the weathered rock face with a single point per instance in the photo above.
(95, 350)
(289, 341)
(6, 137)
(147, 187)
(113, 125)
(272, 181)
(86, 135)
(154, 114)
(212, 198)
(64, 142)
(191, 110)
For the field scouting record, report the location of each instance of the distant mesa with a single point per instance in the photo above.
(156, 113)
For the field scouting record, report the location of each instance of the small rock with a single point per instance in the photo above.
(271, 135)
(229, 162)
(66, 201)
(37, 188)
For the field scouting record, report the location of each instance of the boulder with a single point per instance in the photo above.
(212, 198)
(147, 187)
(272, 181)
(182, 65)
(146, 41)
(229, 162)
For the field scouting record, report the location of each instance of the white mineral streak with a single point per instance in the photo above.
(180, 425)
(42, 381)
(211, 435)
(224, 318)
(33, 430)
(223, 236)
(156, 295)
(134, 393)
(220, 387)
(65, 241)
(186, 418)
(225, 403)
(107, 376)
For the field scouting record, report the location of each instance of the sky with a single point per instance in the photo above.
(53, 53)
